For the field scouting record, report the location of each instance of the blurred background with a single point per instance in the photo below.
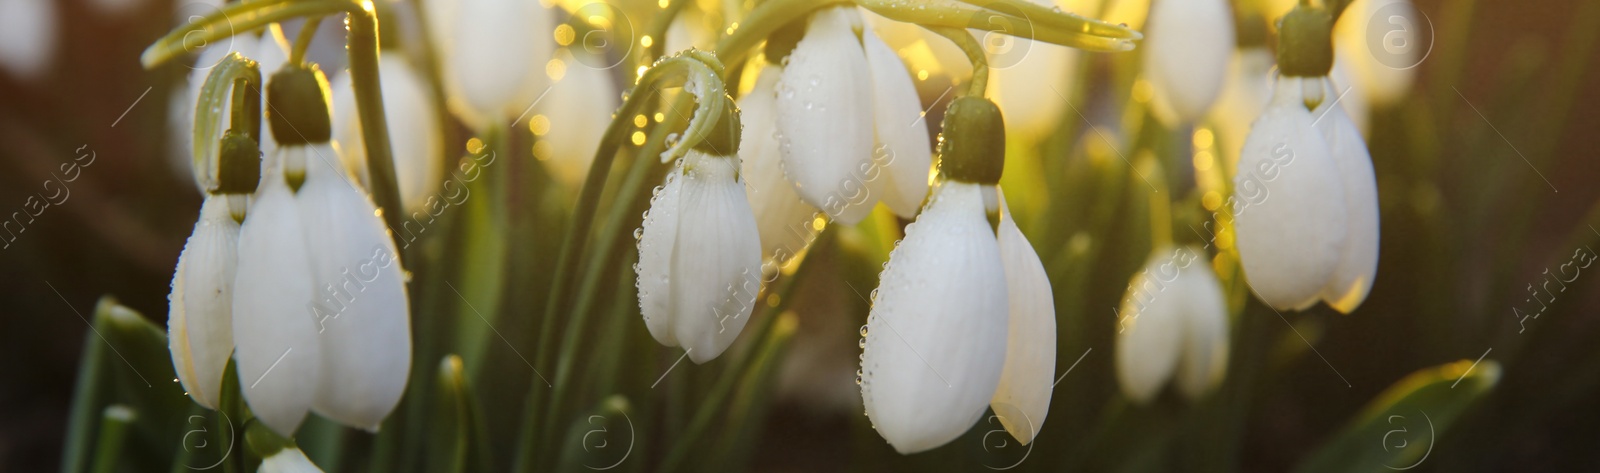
(1486, 169)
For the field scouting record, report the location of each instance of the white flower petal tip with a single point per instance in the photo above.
(359, 303)
(27, 37)
(288, 460)
(699, 266)
(414, 135)
(783, 220)
(1289, 204)
(1186, 53)
(1173, 321)
(1358, 264)
(934, 345)
(200, 318)
(824, 117)
(902, 155)
(278, 354)
(494, 64)
(1022, 400)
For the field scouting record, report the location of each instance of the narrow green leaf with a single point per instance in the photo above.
(1397, 430)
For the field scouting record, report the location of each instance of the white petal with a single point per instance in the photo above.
(657, 238)
(936, 341)
(783, 220)
(1288, 201)
(825, 117)
(1023, 398)
(573, 118)
(1205, 345)
(900, 162)
(200, 316)
(495, 66)
(1358, 263)
(1187, 45)
(1151, 324)
(413, 134)
(27, 37)
(278, 353)
(288, 460)
(716, 262)
(359, 302)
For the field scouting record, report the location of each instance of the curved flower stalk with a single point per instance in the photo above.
(27, 37)
(573, 117)
(1173, 320)
(847, 118)
(494, 54)
(782, 218)
(320, 301)
(699, 257)
(1186, 56)
(963, 317)
(270, 50)
(410, 112)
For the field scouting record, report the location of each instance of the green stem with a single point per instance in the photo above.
(974, 52)
(956, 15)
(302, 41)
(114, 424)
(216, 91)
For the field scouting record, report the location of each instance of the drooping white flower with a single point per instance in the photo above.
(1290, 213)
(414, 136)
(935, 341)
(847, 121)
(278, 354)
(27, 37)
(1173, 320)
(288, 460)
(200, 314)
(699, 267)
(782, 218)
(1023, 398)
(494, 58)
(1187, 46)
(359, 303)
(1358, 261)
(573, 117)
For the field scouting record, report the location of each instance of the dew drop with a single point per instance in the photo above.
(862, 343)
(863, 331)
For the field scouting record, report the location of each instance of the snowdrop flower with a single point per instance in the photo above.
(935, 351)
(1306, 209)
(1173, 320)
(415, 137)
(782, 218)
(1023, 398)
(1186, 56)
(494, 53)
(1358, 262)
(319, 301)
(288, 460)
(699, 257)
(572, 118)
(847, 117)
(27, 37)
